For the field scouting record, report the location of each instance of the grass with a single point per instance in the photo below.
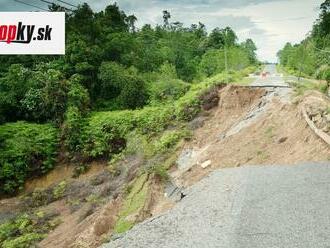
(304, 85)
(245, 81)
(133, 203)
(269, 132)
(262, 155)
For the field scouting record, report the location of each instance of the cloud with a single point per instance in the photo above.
(270, 23)
(256, 31)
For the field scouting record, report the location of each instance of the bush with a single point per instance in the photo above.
(78, 95)
(167, 90)
(123, 84)
(24, 241)
(27, 229)
(59, 190)
(104, 129)
(18, 233)
(133, 93)
(72, 129)
(170, 139)
(25, 150)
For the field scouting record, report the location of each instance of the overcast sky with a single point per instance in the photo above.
(270, 23)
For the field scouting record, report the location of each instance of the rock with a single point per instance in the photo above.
(197, 123)
(282, 139)
(317, 118)
(327, 118)
(186, 159)
(206, 164)
(222, 136)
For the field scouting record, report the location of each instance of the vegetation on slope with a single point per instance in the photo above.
(25, 150)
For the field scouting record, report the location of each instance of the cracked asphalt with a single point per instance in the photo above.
(247, 207)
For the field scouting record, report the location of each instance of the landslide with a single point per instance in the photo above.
(253, 126)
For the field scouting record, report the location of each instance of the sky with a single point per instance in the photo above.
(270, 23)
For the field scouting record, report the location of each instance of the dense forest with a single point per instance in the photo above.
(52, 103)
(311, 57)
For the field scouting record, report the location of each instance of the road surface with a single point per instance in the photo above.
(245, 207)
(275, 79)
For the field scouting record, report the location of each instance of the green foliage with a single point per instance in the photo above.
(24, 241)
(78, 96)
(18, 233)
(169, 139)
(27, 229)
(13, 87)
(124, 84)
(310, 58)
(108, 65)
(105, 65)
(106, 131)
(78, 102)
(25, 150)
(160, 171)
(302, 86)
(167, 90)
(165, 85)
(213, 61)
(72, 128)
(59, 190)
(139, 144)
(133, 203)
(327, 75)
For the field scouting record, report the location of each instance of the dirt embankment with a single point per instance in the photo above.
(250, 126)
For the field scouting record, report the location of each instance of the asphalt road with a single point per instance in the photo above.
(273, 80)
(245, 207)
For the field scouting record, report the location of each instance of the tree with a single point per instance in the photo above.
(114, 20)
(166, 18)
(251, 49)
(221, 37)
(122, 84)
(323, 23)
(13, 87)
(131, 19)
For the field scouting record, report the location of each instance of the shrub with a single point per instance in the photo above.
(167, 90)
(59, 190)
(24, 241)
(25, 150)
(78, 95)
(160, 172)
(124, 84)
(27, 229)
(72, 128)
(170, 139)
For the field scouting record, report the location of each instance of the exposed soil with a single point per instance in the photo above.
(279, 135)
